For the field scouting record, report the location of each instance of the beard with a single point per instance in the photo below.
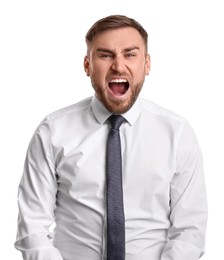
(113, 104)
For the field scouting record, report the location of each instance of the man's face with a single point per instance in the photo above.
(117, 64)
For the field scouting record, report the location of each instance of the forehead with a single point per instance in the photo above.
(120, 38)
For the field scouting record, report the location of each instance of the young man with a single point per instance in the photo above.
(155, 208)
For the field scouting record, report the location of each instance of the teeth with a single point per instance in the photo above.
(118, 80)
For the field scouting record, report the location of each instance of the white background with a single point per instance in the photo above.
(41, 54)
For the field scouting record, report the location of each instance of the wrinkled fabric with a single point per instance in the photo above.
(64, 178)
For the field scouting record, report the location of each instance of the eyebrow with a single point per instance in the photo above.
(112, 52)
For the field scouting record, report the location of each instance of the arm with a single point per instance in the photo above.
(37, 199)
(188, 204)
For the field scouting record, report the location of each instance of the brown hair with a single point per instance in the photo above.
(113, 22)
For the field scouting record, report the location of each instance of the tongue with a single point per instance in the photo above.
(118, 89)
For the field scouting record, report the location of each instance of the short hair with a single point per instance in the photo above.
(113, 22)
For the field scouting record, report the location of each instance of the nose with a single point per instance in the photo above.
(118, 64)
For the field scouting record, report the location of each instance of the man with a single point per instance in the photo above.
(159, 202)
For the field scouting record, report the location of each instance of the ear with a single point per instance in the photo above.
(147, 64)
(86, 65)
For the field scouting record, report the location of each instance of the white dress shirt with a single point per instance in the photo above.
(64, 182)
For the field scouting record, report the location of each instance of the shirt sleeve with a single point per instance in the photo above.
(188, 202)
(37, 199)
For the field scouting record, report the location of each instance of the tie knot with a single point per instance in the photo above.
(116, 121)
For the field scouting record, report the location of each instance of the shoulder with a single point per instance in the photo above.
(163, 118)
(173, 123)
(77, 108)
(161, 112)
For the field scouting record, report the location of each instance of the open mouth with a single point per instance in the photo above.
(119, 86)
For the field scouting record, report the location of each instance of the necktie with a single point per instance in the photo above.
(115, 209)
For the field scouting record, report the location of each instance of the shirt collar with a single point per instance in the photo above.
(102, 114)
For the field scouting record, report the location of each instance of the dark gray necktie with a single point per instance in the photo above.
(115, 209)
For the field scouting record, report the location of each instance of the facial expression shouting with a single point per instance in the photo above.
(117, 64)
